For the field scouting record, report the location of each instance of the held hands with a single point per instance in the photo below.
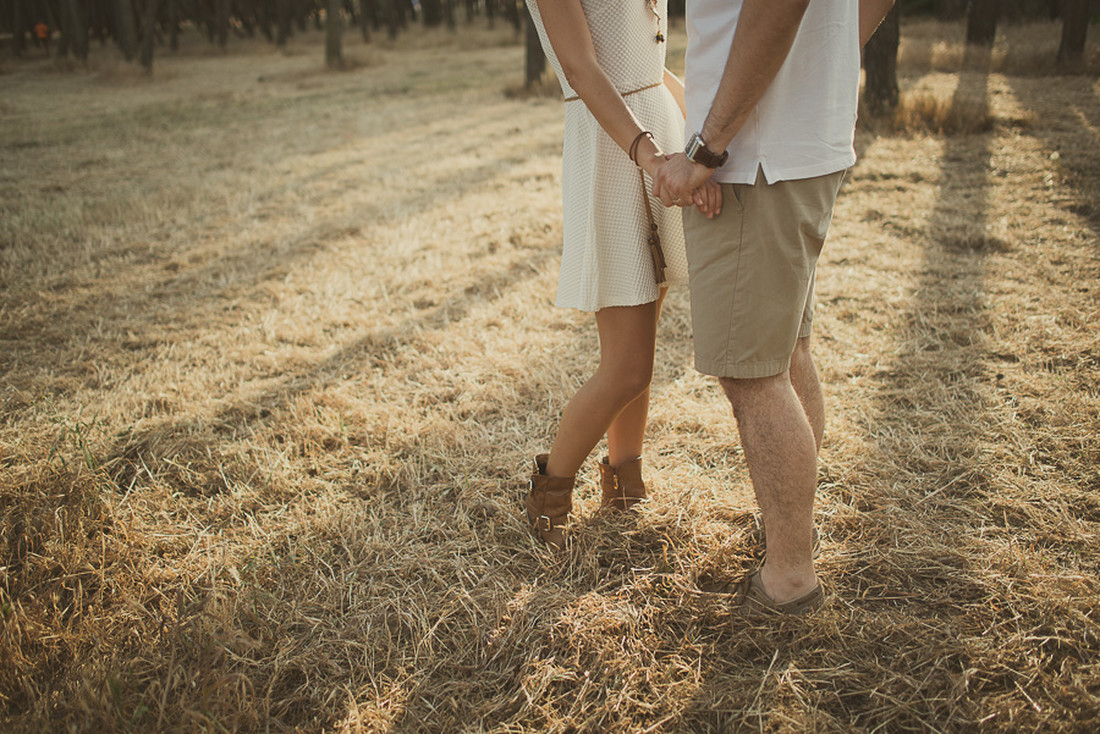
(708, 198)
(682, 182)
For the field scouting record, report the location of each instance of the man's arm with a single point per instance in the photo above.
(765, 33)
(764, 36)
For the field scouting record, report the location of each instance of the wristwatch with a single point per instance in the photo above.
(697, 151)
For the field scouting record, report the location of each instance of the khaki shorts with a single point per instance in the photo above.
(752, 270)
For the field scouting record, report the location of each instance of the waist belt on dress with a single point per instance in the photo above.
(574, 98)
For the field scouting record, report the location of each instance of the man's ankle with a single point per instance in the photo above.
(783, 585)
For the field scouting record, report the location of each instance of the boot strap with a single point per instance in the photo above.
(545, 523)
(550, 522)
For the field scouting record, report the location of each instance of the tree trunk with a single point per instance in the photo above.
(64, 24)
(206, 14)
(148, 34)
(18, 28)
(536, 59)
(263, 21)
(511, 11)
(247, 20)
(391, 10)
(400, 10)
(173, 25)
(75, 27)
(334, 57)
(221, 22)
(952, 9)
(125, 29)
(1075, 26)
(53, 19)
(981, 25)
(282, 21)
(99, 20)
(433, 12)
(880, 61)
(365, 20)
(301, 15)
(370, 9)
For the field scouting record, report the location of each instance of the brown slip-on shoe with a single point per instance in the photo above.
(622, 486)
(548, 503)
(752, 600)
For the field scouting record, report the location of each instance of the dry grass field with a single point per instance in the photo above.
(277, 344)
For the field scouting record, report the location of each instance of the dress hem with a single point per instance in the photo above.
(586, 309)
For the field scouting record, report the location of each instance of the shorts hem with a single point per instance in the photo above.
(746, 371)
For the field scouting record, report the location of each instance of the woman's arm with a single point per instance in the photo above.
(708, 197)
(871, 13)
(567, 29)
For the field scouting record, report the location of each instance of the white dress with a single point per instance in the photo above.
(605, 253)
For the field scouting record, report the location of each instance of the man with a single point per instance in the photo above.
(42, 36)
(772, 89)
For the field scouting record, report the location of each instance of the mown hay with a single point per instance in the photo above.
(279, 345)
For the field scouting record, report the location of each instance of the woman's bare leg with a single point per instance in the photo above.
(627, 432)
(627, 337)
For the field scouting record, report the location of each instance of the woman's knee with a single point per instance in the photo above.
(630, 380)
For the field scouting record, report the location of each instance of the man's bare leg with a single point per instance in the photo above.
(808, 388)
(781, 450)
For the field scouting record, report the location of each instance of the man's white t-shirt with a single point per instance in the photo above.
(804, 125)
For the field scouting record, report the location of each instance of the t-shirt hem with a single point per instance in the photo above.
(772, 175)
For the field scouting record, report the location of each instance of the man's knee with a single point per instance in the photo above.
(743, 393)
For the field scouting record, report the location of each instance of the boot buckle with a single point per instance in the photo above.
(537, 523)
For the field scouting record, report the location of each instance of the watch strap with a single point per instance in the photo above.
(698, 151)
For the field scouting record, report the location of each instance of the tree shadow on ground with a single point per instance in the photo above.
(882, 641)
(219, 632)
(853, 663)
(164, 303)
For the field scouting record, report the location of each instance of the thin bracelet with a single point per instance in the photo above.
(633, 153)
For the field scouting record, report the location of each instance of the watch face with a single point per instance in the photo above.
(694, 145)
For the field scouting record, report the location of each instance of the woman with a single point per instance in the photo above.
(622, 107)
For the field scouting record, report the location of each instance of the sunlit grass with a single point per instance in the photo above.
(277, 345)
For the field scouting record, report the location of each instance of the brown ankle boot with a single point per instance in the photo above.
(549, 502)
(622, 485)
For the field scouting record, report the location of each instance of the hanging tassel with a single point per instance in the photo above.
(658, 255)
(655, 250)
